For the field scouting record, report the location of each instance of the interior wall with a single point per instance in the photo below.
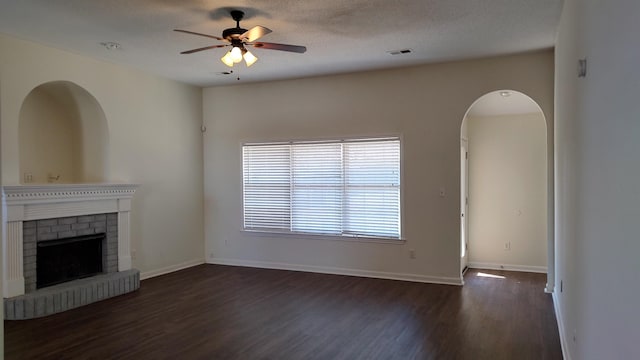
(597, 172)
(49, 139)
(2, 222)
(154, 140)
(508, 192)
(94, 135)
(423, 104)
(64, 134)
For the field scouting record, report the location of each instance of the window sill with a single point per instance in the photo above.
(365, 239)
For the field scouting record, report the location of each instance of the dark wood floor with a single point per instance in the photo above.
(225, 312)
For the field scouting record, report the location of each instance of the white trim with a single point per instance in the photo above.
(464, 271)
(53, 210)
(169, 269)
(13, 286)
(508, 267)
(339, 140)
(319, 140)
(563, 340)
(35, 202)
(57, 193)
(12, 248)
(323, 237)
(338, 271)
(124, 241)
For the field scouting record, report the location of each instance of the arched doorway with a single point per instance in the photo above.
(63, 136)
(504, 184)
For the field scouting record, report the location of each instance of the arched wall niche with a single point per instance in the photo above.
(63, 136)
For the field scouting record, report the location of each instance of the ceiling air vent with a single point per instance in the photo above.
(400, 52)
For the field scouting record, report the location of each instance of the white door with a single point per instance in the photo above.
(464, 203)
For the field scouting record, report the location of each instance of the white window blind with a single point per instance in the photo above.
(267, 187)
(316, 203)
(346, 187)
(372, 188)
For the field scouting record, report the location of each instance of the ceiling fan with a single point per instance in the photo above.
(238, 38)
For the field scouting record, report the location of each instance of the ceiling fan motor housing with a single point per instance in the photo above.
(233, 33)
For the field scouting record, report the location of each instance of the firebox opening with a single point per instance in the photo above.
(63, 260)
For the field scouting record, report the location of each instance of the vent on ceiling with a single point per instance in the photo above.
(400, 52)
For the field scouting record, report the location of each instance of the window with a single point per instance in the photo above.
(342, 188)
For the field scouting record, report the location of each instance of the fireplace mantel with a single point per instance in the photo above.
(36, 202)
(57, 193)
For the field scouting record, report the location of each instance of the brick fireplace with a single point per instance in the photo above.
(42, 217)
(38, 235)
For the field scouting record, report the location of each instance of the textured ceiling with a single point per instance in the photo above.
(341, 36)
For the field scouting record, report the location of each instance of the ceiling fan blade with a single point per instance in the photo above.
(202, 48)
(283, 47)
(199, 34)
(255, 33)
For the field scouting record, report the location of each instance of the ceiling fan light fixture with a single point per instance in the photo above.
(227, 59)
(249, 58)
(238, 38)
(236, 54)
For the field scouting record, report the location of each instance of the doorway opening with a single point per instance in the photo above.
(504, 184)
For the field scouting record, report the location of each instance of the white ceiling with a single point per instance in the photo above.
(495, 104)
(340, 35)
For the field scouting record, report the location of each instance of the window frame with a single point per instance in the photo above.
(327, 237)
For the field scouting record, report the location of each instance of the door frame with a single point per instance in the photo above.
(464, 204)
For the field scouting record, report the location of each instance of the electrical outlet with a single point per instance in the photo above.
(412, 254)
(28, 177)
(507, 246)
(133, 254)
(211, 255)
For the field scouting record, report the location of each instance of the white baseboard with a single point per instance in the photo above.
(169, 269)
(509, 267)
(338, 271)
(563, 340)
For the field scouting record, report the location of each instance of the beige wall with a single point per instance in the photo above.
(508, 191)
(154, 140)
(94, 134)
(1, 257)
(423, 104)
(49, 134)
(597, 204)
